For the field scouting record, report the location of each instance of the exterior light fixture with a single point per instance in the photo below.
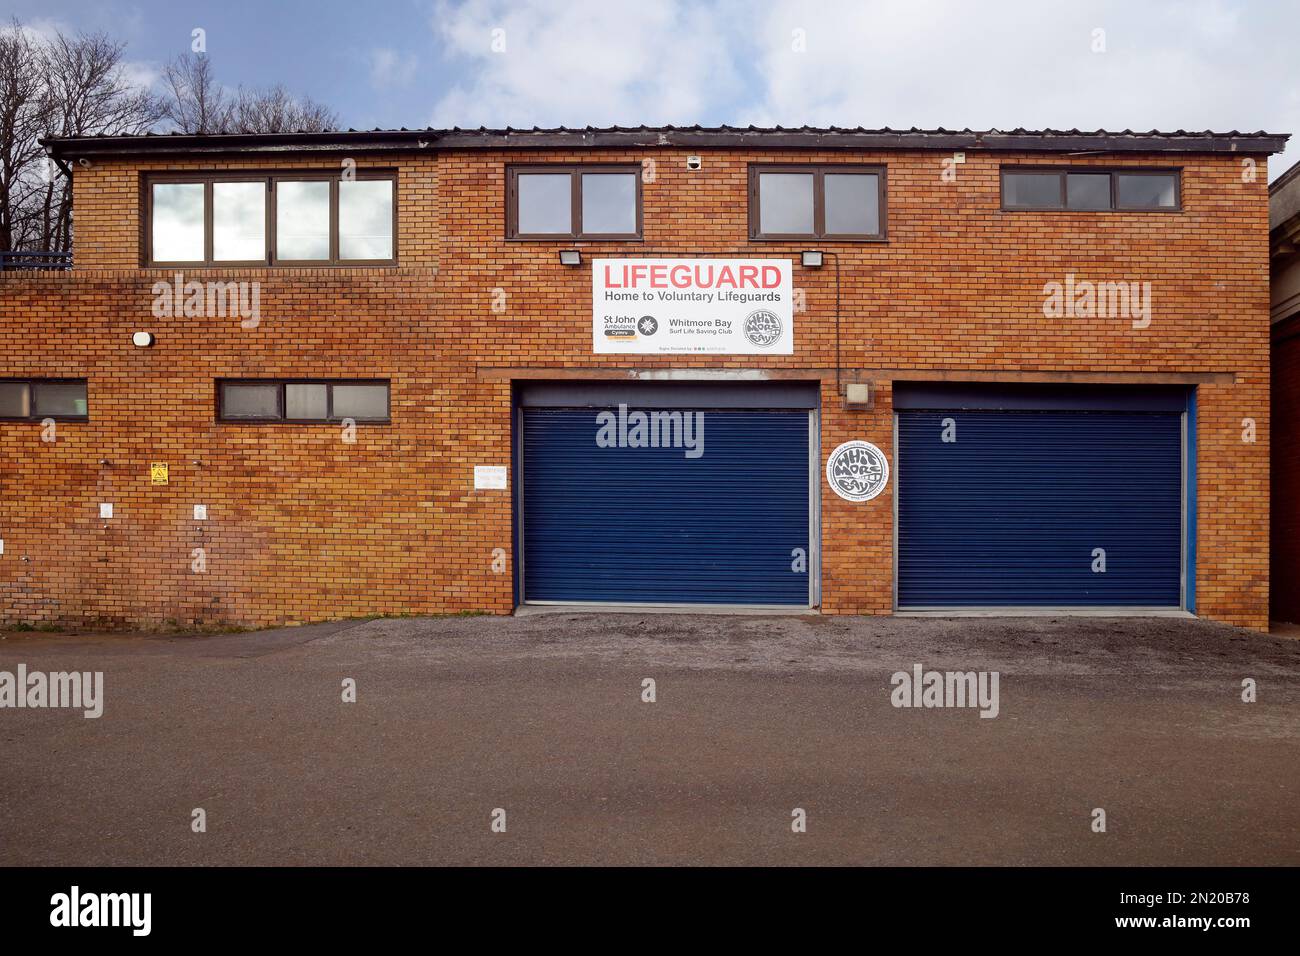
(857, 395)
(812, 259)
(142, 340)
(570, 257)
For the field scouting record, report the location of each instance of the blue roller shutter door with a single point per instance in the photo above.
(1010, 513)
(649, 525)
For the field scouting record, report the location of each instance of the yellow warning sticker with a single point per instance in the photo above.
(158, 472)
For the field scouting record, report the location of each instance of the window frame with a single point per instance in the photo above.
(281, 404)
(1063, 173)
(32, 383)
(818, 171)
(576, 172)
(268, 178)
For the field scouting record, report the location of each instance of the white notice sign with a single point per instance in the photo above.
(489, 477)
(722, 306)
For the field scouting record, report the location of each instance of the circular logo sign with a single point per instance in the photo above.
(763, 328)
(857, 471)
(647, 325)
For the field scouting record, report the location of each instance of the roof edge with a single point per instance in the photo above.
(1019, 140)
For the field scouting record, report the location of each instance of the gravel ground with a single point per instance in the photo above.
(542, 716)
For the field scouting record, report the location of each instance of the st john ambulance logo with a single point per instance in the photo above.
(857, 471)
(647, 325)
(763, 328)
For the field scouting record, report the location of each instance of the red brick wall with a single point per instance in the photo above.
(1285, 545)
(304, 528)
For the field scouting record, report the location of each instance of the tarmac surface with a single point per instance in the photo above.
(543, 716)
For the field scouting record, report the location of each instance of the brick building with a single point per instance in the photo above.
(1284, 248)
(401, 372)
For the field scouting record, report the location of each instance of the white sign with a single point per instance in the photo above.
(682, 306)
(857, 471)
(106, 509)
(489, 477)
(200, 512)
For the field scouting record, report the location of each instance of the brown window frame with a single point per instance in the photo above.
(818, 171)
(33, 384)
(280, 384)
(1064, 172)
(269, 178)
(575, 171)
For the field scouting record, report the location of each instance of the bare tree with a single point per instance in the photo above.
(56, 84)
(25, 110)
(91, 94)
(197, 103)
(275, 110)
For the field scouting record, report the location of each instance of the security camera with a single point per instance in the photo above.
(84, 163)
(693, 162)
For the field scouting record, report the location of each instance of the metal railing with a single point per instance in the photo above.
(35, 260)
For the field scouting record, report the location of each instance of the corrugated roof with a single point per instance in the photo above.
(800, 137)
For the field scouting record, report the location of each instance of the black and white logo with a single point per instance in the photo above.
(763, 328)
(647, 325)
(857, 471)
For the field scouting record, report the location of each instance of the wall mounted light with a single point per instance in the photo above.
(812, 259)
(142, 340)
(570, 257)
(857, 395)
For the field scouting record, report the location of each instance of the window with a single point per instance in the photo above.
(302, 220)
(302, 401)
(283, 219)
(574, 202)
(238, 221)
(817, 202)
(39, 398)
(178, 222)
(366, 219)
(1091, 189)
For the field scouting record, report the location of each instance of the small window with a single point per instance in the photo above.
(362, 402)
(785, 204)
(302, 220)
(1146, 190)
(239, 221)
(816, 202)
(574, 202)
(366, 220)
(1089, 189)
(290, 219)
(250, 401)
(307, 401)
(41, 398)
(178, 228)
(303, 402)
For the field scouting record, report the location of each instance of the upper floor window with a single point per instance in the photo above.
(282, 219)
(1087, 188)
(35, 399)
(816, 202)
(574, 202)
(302, 400)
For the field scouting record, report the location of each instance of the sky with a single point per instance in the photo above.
(1113, 64)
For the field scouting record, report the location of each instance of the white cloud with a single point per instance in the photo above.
(585, 62)
(40, 30)
(390, 68)
(142, 74)
(1168, 64)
